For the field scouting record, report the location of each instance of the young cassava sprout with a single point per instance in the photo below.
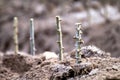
(32, 40)
(78, 43)
(60, 44)
(15, 26)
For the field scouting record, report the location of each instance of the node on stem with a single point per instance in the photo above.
(59, 31)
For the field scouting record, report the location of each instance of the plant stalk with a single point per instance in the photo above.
(78, 43)
(60, 44)
(15, 26)
(32, 40)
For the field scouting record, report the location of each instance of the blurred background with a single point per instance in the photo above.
(99, 18)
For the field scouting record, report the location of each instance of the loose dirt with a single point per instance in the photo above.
(93, 67)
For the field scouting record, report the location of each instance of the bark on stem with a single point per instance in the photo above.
(60, 44)
(78, 43)
(15, 26)
(32, 40)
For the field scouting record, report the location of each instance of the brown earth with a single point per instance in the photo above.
(95, 65)
(44, 12)
(98, 66)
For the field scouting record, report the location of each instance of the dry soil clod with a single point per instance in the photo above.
(62, 72)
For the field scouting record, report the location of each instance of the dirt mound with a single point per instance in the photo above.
(90, 51)
(106, 69)
(17, 63)
(6, 74)
(44, 12)
(23, 66)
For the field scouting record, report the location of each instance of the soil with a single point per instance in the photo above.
(96, 66)
(107, 37)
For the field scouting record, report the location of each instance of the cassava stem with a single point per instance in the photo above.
(32, 41)
(15, 26)
(78, 43)
(60, 44)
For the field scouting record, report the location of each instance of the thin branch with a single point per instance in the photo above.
(60, 44)
(15, 26)
(78, 43)
(32, 40)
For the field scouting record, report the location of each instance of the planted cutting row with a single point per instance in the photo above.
(77, 37)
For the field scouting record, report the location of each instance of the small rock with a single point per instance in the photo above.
(93, 72)
(115, 67)
(49, 55)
